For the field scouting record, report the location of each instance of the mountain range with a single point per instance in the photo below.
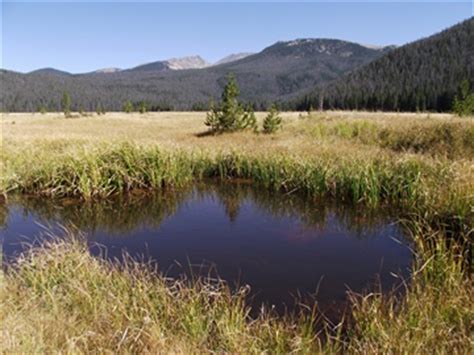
(294, 73)
(183, 63)
(279, 72)
(423, 75)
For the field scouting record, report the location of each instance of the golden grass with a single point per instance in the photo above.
(423, 162)
(179, 130)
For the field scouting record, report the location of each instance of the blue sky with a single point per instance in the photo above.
(84, 36)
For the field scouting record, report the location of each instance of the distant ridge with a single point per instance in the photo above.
(49, 71)
(232, 58)
(107, 70)
(280, 72)
(423, 75)
(191, 62)
(294, 73)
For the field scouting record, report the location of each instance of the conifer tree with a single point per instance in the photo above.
(273, 121)
(230, 116)
(128, 106)
(143, 107)
(99, 109)
(464, 102)
(212, 118)
(66, 104)
(42, 109)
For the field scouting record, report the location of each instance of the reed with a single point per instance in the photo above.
(440, 188)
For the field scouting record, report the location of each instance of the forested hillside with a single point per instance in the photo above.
(424, 75)
(282, 71)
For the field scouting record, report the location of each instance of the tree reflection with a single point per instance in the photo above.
(122, 214)
(3, 215)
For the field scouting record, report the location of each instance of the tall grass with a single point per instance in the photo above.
(441, 188)
(435, 315)
(433, 137)
(59, 298)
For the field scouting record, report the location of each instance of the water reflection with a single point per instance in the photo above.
(122, 214)
(279, 244)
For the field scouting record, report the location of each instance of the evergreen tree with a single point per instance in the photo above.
(273, 121)
(42, 109)
(464, 102)
(128, 106)
(231, 109)
(99, 109)
(66, 104)
(212, 117)
(249, 120)
(143, 107)
(230, 116)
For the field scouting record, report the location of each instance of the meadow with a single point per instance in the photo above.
(422, 163)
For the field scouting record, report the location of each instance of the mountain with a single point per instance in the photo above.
(49, 71)
(192, 62)
(107, 70)
(280, 72)
(233, 58)
(423, 75)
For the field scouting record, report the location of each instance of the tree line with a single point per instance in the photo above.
(423, 76)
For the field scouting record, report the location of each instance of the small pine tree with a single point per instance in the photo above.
(231, 109)
(128, 106)
(273, 121)
(464, 103)
(230, 116)
(99, 109)
(212, 117)
(143, 107)
(42, 109)
(249, 120)
(66, 104)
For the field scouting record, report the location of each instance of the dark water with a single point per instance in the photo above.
(280, 245)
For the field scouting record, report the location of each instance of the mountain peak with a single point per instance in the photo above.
(190, 62)
(183, 63)
(233, 57)
(107, 70)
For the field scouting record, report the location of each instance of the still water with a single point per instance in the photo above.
(280, 245)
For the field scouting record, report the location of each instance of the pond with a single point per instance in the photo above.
(281, 245)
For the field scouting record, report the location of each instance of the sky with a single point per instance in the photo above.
(85, 36)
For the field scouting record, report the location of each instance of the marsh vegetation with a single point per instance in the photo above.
(423, 164)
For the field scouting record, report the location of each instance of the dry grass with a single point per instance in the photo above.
(423, 162)
(180, 130)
